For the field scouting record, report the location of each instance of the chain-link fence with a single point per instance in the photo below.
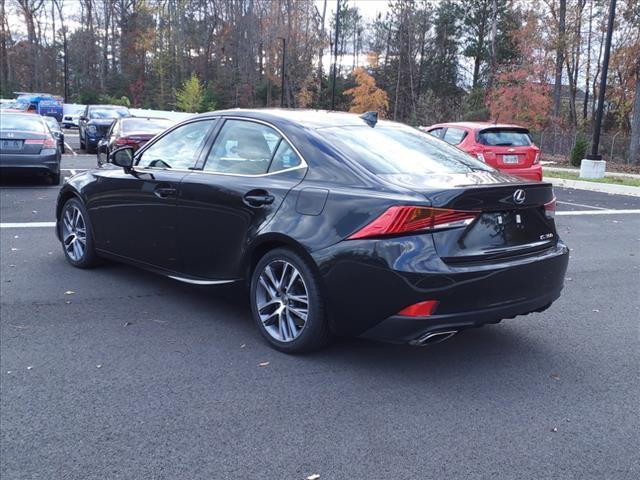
(557, 141)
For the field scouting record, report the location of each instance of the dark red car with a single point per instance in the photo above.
(508, 148)
(131, 132)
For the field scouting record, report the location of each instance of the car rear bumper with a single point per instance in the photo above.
(533, 172)
(368, 282)
(13, 163)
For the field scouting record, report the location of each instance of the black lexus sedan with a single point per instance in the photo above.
(340, 224)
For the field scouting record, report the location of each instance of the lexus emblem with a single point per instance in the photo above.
(519, 196)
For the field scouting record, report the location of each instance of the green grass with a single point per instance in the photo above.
(631, 182)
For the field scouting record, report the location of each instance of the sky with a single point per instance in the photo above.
(368, 8)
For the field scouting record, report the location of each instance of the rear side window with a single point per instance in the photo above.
(437, 132)
(454, 136)
(504, 137)
(398, 149)
(250, 148)
(27, 123)
(284, 158)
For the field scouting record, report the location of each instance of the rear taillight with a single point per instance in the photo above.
(422, 309)
(406, 219)
(48, 142)
(125, 141)
(537, 158)
(550, 209)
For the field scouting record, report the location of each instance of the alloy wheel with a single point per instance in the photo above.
(282, 300)
(74, 233)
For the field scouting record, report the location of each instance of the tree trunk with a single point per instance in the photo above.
(494, 31)
(557, 88)
(586, 79)
(634, 145)
(4, 64)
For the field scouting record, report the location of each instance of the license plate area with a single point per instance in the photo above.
(510, 159)
(11, 145)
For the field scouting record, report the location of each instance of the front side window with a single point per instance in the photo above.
(243, 148)
(454, 136)
(179, 148)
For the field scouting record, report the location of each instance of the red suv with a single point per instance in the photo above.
(506, 147)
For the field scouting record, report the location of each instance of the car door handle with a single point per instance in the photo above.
(255, 199)
(164, 192)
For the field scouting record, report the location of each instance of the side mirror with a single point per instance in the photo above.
(123, 157)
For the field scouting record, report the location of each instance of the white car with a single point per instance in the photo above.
(70, 120)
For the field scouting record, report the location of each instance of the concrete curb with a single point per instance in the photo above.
(595, 186)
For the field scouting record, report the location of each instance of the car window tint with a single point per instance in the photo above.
(400, 150)
(454, 136)
(284, 158)
(27, 123)
(242, 148)
(505, 137)
(178, 149)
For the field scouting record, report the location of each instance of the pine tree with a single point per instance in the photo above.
(189, 97)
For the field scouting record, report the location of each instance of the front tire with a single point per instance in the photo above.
(77, 235)
(287, 302)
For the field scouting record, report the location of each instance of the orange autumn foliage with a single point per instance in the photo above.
(521, 92)
(366, 96)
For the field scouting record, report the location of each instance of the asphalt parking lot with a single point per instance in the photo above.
(116, 373)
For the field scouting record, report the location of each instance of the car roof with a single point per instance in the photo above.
(476, 125)
(307, 118)
(113, 107)
(21, 113)
(135, 117)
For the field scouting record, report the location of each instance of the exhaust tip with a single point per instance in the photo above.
(432, 338)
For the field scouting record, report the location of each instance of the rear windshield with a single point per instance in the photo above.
(146, 125)
(107, 113)
(505, 137)
(25, 123)
(396, 149)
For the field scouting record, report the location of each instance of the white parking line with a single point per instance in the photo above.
(70, 149)
(581, 205)
(599, 212)
(28, 225)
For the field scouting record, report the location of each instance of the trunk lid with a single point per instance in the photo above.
(21, 142)
(511, 217)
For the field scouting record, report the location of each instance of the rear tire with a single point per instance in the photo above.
(76, 233)
(287, 302)
(55, 178)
